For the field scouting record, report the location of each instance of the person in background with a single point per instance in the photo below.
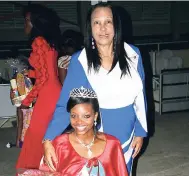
(19, 126)
(15, 54)
(71, 42)
(42, 26)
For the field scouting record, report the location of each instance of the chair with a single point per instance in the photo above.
(7, 110)
(171, 91)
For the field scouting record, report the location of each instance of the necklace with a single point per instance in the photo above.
(88, 146)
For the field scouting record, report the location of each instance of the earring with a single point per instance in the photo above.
(93, 44)
(95, 123)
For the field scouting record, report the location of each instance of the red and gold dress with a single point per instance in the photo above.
(110, 163)
(47, 91)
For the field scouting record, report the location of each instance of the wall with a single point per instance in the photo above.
(183, 53)
(17, 34)
(148, 18)
(12, 21)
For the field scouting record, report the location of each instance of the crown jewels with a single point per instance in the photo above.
(83, 92)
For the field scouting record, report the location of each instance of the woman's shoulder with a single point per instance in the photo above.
(109, 138)
(63, 58)
(64, 61)
(131, 49)
(76, 55)
(62, 139)
(40, 42)
(135, 48)
(74, 61)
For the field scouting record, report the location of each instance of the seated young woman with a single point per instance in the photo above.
(82, 150)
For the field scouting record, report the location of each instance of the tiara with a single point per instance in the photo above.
(83, 92)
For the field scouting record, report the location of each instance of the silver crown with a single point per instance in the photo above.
(83, 92)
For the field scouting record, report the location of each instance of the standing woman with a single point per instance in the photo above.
(114, 70)
(42, 26)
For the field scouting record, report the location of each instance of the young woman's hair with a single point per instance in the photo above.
(120, 55)
(45, 23)
(73, 101)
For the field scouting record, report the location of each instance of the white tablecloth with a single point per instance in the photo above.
(6, 107)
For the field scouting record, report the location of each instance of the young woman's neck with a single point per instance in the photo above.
(87, 137)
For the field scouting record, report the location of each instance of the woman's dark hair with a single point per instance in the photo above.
(45, 23)
(73, 39)
(120, 55)
(73, 101)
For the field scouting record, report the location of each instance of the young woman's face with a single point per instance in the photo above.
(28, 25)
(82, 117)
(102, 26)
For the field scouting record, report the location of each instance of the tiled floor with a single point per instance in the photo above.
(168, 151)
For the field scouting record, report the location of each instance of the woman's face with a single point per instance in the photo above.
(28, 25)
(102, 26)
(82, 117)
(68, 50)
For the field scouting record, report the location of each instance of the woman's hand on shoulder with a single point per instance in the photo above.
(49, 155)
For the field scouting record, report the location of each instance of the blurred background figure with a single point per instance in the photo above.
(71, 42)
(42, 27)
